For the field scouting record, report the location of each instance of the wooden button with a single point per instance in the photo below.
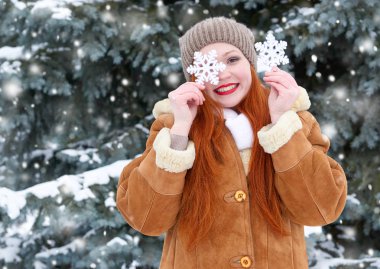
(240, 196)
(245, 262)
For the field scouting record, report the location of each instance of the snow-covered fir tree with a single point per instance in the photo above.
(79, 78)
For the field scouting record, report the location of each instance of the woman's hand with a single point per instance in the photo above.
(283, 93)
(184, 102)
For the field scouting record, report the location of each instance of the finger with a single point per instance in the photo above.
(278, 72)
(273, 94)
(274, 69)
(192, 89)
(270, 73)
(273, 76)
(201, 95)
(188, 96)
(286, 75)
(198, 98)
(278, 79)
(287, 89)
(198, 85)
(171, 95)
(279, 87)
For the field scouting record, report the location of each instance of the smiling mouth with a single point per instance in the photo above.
(227, 90)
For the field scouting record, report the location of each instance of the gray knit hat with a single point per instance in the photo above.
(213, 30)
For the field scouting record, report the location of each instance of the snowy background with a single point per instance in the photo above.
(79, 78)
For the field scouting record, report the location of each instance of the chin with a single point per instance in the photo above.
(230, 105)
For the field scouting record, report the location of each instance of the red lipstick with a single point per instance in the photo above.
(227, 92)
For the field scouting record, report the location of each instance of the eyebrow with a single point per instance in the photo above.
(229, 52)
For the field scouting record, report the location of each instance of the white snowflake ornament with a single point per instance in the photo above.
(206, 67)
(271, 52)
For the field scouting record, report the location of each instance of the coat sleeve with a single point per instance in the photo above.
(150, 187)
(311, 185)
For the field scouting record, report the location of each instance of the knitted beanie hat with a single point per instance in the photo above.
(213, 30)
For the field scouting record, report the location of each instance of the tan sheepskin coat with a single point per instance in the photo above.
(312, 187)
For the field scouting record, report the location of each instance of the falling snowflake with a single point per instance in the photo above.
(271, 52)
(206, 67)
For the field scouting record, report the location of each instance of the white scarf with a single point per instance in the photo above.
(240, 128)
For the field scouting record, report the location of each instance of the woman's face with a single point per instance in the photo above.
(237, 72)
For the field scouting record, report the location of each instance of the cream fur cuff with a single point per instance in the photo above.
(169, 159)
(273, 136)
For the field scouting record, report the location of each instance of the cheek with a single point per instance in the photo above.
(247, 85)
(248, 80)
(244, 77)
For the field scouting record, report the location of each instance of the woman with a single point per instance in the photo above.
(232, 174)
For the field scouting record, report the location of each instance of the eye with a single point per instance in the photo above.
(233, 59)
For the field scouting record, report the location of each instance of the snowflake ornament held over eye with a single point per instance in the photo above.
(271, 52)
(206, 67)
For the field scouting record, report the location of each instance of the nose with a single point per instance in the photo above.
(224, 75)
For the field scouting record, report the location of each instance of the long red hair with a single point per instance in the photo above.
(199, 200)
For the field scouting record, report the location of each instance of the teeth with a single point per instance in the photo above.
(225, 89)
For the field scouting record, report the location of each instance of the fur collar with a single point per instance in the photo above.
(302, 103)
